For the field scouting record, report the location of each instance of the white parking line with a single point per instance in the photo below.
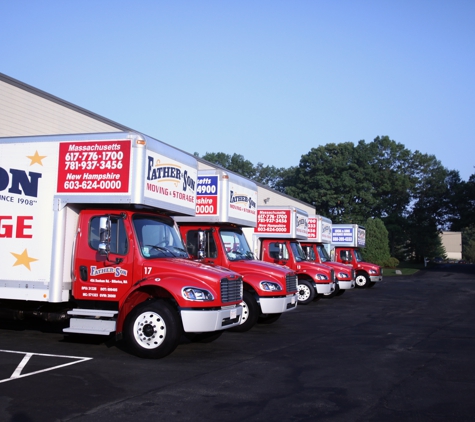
(17, 373)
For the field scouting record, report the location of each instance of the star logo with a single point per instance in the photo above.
(23, 259)
(36, 159)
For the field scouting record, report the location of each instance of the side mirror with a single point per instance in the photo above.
(201, 245)
(104, 236)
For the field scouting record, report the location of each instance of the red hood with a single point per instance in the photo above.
(339, 266)
(276, 271)
(188, 268)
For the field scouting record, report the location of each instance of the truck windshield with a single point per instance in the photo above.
(322, 252)
(358, 256)
(158, 237)
(236, 245)
(298, 252)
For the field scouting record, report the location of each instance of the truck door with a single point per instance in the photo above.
(99, 276)
(277, 253)
(345, 256)
(205, 249)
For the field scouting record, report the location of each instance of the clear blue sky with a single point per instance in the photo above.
(267, 79)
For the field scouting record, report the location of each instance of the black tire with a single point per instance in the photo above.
(334, 293)
(250, 313)
(152, 329)
(268, 318)
(203, 337)
(340, 292)
(306, 292)
(362, 280)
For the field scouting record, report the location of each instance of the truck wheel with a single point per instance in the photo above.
(340, 292)
(268, 318)
(250, 313)
(361, 280)
(334, 293)
(152, 330)
(306, 292)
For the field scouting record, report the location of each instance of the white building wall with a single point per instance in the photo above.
(268, 196)
(22, 113)
(452, 242)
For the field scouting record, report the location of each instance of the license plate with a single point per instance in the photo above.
(233, 313)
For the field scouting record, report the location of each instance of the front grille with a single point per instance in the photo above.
(332, 275)
(291, 283)
(353, 274)
(231, 290)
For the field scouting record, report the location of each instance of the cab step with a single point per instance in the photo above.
(92, 321)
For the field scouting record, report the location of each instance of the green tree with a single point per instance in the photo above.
(236, 163)
(332, 177)
(429, 208)
(468, 243)
(461, 204)
(267, 175)
(377, 242)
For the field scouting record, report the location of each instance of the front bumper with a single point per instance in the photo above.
(375, 278)
(324, 289)
(203, 321)
(277, 305)
(346, 285)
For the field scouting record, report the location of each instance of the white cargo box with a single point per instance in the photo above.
(224, 197)
(348, 235)
(281, 222)
(46, 180)
(319, 229)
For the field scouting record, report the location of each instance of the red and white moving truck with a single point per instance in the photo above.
(346, 241)
(226, 203)
(86, 236)
(277, 238)
(319, 235)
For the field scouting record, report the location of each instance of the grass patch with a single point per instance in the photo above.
(406, 268)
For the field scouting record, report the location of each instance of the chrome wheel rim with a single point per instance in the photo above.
(149, 330)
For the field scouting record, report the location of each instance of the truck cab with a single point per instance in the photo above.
(345, 275)
(214, 237)
(135, 263)
(367, 274)
(319, 235)
(276, 239)
(346, 241)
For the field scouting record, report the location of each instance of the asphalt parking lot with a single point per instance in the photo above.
(403, 350)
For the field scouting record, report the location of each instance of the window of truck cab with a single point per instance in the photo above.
(119, 244)
(235, 244)
(298, 252)
(323, 254)
(158, 237)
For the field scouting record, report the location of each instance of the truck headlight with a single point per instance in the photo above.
(322, 277)
(373, 272)
(193, 293)
(270, 286)
(343, 275)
